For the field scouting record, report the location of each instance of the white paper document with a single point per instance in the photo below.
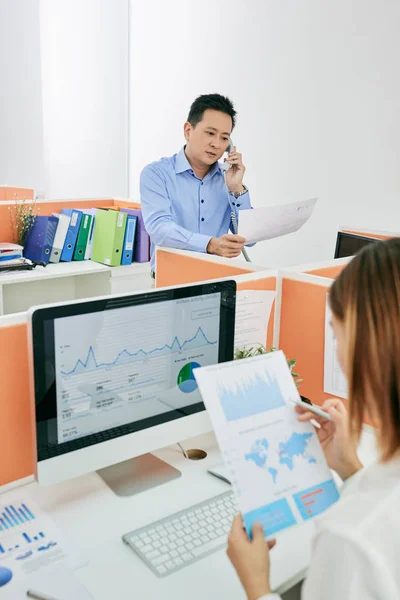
(335, 382)
(277, 466)
(253, 310)
(30, 545)
(59, 583)
(269, 222)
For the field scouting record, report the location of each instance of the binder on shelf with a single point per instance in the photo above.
(40, 239)
(89, 246)
(59, 238)
(141, 252)
(108, 238)
(129, 240)
(83, 235)
(72, 233)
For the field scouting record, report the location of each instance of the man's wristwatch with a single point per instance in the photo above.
(237, 194)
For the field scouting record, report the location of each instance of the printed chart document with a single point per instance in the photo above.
(269, 222)
(30, 544)
(277, 466)
(253, 310)
(334, 380)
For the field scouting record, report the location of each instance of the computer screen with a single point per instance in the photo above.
(107, 368)
(348, 244)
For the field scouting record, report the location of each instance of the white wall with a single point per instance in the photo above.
(85, 97)
(317, 87)
(21, 139)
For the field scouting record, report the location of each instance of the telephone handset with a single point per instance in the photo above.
(225, 168)
(225, 165)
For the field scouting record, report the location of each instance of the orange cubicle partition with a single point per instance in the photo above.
(378, 235)
(16, 430)
(8, 193)
(178, 269)
(327, 272)
(302, 330)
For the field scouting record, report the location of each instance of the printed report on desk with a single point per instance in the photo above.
(277, 466)
(119, 366)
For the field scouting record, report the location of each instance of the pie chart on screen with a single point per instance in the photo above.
(186, 380)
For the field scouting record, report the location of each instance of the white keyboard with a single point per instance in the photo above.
(185, 537)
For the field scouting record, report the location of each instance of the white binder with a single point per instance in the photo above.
(59, 239)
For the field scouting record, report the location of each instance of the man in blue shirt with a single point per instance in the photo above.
(185, 203)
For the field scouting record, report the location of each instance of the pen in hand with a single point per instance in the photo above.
(39, 595)
(314, 409)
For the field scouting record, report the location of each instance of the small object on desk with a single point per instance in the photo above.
(17, 264)
(39, 595)
(221, 472)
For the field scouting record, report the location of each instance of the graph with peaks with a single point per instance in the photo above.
(252, 396)
(125, 356)
(131, 363)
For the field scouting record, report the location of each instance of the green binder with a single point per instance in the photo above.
(108, 238)
(83, 236)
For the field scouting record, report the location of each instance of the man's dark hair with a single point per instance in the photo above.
(213, 102)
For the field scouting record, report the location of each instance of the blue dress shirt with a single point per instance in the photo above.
(182, 211)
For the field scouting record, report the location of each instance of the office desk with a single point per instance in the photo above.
(94, 519)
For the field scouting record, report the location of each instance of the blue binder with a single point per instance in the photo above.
(72, 233)
(129, 240)
(40, 239)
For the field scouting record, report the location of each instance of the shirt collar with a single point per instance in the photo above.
(182, 164)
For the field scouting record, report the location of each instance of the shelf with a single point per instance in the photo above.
(75, 280)
(71, 269)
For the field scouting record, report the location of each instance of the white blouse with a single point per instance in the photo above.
(356, 549)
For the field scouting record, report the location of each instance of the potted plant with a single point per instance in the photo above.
(23, 214)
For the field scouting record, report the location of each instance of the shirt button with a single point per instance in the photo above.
(234, 204)
(202, 183)
(202, 201)
(238, 205)
(202, 218)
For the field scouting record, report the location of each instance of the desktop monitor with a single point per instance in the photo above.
(112, 379)
(348, 244)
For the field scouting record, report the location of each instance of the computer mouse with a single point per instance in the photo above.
(5, 576)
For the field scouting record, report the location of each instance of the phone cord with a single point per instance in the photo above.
(234, 220)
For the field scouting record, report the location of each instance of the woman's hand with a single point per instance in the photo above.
(339, 447)
(250, 558)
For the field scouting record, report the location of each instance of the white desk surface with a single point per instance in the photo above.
(94, 519)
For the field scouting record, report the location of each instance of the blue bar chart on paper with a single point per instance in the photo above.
(14, 516)
(24, 544)
(29, 540)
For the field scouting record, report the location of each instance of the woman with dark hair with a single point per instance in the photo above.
(356, 550)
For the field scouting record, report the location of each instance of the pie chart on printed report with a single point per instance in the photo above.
(186, 380)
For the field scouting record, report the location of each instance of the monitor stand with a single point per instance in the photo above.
(138, 475)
